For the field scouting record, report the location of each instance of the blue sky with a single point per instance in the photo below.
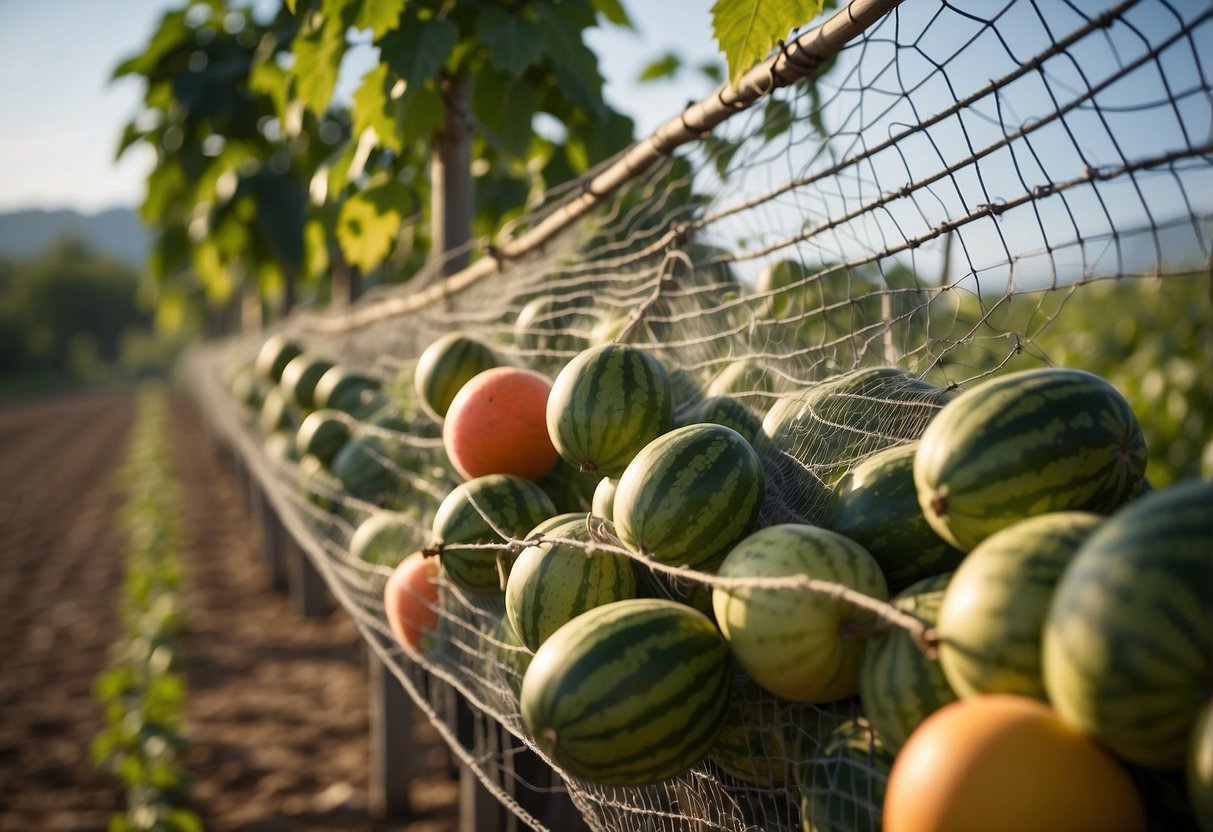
(62, 117)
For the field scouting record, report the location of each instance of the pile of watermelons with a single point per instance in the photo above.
(1061, 673)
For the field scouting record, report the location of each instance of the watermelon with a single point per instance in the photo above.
(366, 467)
(834, 424)
(551, 327)
(607, 404)
(1027, 443)
(689, 495)
(274, 355)
(570, 489)
(876, 505)
(603, 504)
(343, 389)
(300, 377)
(764, 737)
(322, 434)
(245, 387)
(899, 684)
(628, 694)
(510, 658)
(803, 646)
(842, 787)
(472, 513)
(727, 411)
(276, 412)
(280, 446)
(1128, 639)
(386, 537)
(993, 615)
(445, 366)
(552, 583)
(741, 378)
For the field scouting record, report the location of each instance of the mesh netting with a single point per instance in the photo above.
(957, 180)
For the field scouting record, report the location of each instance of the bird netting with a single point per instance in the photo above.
(940, 197)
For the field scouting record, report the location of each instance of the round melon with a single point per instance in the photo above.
(275, 353)
(992, 619)
(1128, 639)
(603, 504)
(899, 684)
(842, 786)
(630, 693)
(366, 467)
(343, 389)
(876, 505)
(486, 510)
(322, 434)
(552, 583)
(1023, 444)
(386, 537)
(727, 411)
(804, 646)
(445, 366)
(606, 404)
(689, 495)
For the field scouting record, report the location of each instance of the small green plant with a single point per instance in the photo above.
(141, 693)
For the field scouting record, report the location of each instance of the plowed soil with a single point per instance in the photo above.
(276, 709)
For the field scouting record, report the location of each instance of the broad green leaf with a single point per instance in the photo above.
(777, 116)
(613, 11)
(373, 107)
(368, 223)
(666, 66)
(422, 113)
(574, 66)
(215, 275)
(281, 212)
(746, 30)
(506, 109)
(173, 33)
(380, 16)
(419, 48)
(318, 51)
(510, 40)
(269, 79)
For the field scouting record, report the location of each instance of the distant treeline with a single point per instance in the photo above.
(72, 317)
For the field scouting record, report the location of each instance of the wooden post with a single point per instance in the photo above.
(307, 587)
(273, 539)
(393, 757)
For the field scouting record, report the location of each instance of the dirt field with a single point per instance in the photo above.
(276, 704)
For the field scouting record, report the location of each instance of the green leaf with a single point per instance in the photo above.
(510, 40)
(777, 117)
(573, 64)
(369, 222)
(380, 16)
(419, 48)
(613, 11)
(746, 30)
(422, 113)
(318, 51)
(372, 107)
(506, 108)
(666, 66)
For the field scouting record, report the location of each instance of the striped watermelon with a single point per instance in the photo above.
(322, 434)
(727, 411)
(603, 504)
(1128, 640)
(300, 377)
(630, 693)
(832, 425)
(472, 513)
(445, 366)
(1023, 444)
(277, 413)
(367, 467)
(899, 684)
(606, 404)
(993, 614)
(552, 328)
(570, 489)
(842, 788)
(740, 378)
(802, 646)
(876, 505)
(386, 537)
(764, 737)
(689, 495)
(552, 583)
(344, 389)
(274, 355)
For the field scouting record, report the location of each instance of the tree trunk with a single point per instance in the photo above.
(451, 179)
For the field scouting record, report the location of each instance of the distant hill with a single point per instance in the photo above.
(116, 232)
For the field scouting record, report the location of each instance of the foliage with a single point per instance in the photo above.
(747, 30)
(72, 316)
(263, 174)
(143, 698)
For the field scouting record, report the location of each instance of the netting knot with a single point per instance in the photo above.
(494, 253)
(433, 550)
